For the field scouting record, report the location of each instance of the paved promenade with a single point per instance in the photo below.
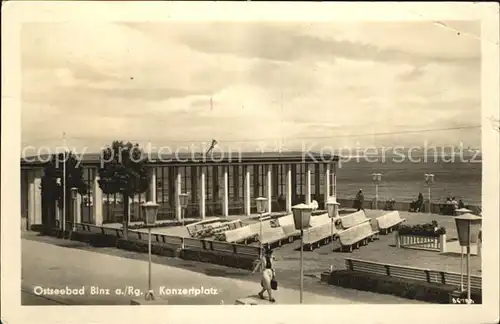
(50, 266)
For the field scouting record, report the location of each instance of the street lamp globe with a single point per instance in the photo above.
(332, 208)
(429, 178)
(74, 192)
(149, 211)
(376, 177)
(468, 228)
(261, 203)
(183, 199)
(301, 216)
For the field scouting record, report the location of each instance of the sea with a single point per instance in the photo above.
(458, 177)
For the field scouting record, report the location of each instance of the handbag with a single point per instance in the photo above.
(274, 284)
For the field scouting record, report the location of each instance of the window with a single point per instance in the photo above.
(209, 183)
(313, 173)
(322, 171)
(230, 182)
(300, 176)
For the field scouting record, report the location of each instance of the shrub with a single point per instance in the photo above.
(428, 229)
(139, 246)
(405, 288)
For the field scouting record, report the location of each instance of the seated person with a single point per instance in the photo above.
(461, 204)
(454, 205)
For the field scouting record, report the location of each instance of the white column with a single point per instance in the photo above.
(327, 183)
(152, 186)
(247, 195)
(98, 202)
(269, 188)
(225, 193)
(334, 191)
(308, 185)
(178, 189)
(288, 185)
(31, 199)
(38, 197)
(78, 211)
(202, 193)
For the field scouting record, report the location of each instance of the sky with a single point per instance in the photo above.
(265, 85)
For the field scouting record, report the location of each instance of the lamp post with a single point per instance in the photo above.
(459, 212)
(183, 199)
(468, 227)
(74, 193)
(332, 207)
(301, 219)
(149, 211)
(261, 203)
(429, 180)
(377, 178)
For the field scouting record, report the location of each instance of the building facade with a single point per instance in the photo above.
(221, 185)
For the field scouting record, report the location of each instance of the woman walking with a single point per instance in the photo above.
(267, 274)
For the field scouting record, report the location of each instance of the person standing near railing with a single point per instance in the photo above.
(359, 200)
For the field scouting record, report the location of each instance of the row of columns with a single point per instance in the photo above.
(328, 192)
(34, 193)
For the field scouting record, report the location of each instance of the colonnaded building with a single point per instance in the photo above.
(220, 185)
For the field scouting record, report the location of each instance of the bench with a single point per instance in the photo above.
(319, 220)
(80, 227)
(273, 236)
(354, 219)
(134, 235)
(355, 236)
(223, 247)
(288, 226)
(315, 236)
(96, 229)
(169, 239)
(110, 231)
(412, 273)
(386, 223)
(253, 251)
(193, 243)
(242, 234)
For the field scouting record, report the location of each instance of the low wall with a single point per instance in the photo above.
(400, 205)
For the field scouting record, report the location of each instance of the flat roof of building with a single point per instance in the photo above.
(200, 158)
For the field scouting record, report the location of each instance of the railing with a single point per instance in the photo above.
(175, 241)
(407, 272)
(403, 205)
(430, 243)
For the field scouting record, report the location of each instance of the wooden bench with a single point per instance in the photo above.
(110, 231)
(413, 273)
(242, 234)
(134, 235)
(223, 247)
(318, 235)
(172, 240)
(354, 219)
(193, 243)
(386, 223)
(319, 220)
(96, 229)
(288, 226)
(252, 251)
(273, 236)
(355, 236)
